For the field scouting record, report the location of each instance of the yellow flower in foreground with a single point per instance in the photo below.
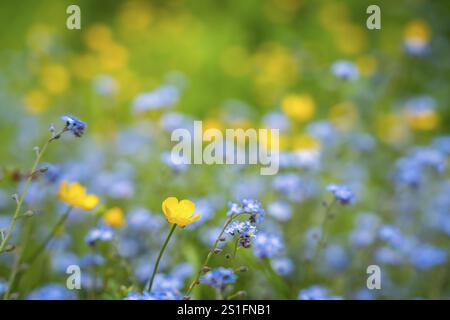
(114, 217)
(75, 195)
(179, 212)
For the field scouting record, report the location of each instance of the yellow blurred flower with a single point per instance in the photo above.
(75, 195)
(265, 141)
(275, 67)
(344, 115)
(299, 107)
(114, 58)
(179, 212)
(114, 217)
(36, 101)
(281, 11)
(422, 121)
(391, 129)
(332, 14)
(212, 123)
(305, 142)
(417, 30)
(98, 37)
(417, 35)
(84, 66)
(55, 78)
(351, 38)
(367, 65)
(135, 16)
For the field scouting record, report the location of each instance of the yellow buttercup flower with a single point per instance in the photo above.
(75, 195)
(114, 217)
(179, 212)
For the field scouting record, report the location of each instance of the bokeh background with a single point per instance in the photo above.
(363, 108)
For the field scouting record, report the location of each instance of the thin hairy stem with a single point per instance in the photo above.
(208, 257)
(50, 236)
(16, 215)
(149, 285)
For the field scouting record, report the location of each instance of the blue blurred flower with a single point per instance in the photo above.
(335, 257)
(276, 120)
(280, 210)
(177, 166)
(52, 291)
(426, 256)
(345, 70)
(282, 265)
(77, 127)
(154, 295)
(267, 245)
(316, 292)
(296, 188)
(442, 143)
(342, 193)
(91, 260)
(365, 231)
(387, 255)
(247, 206)
(243, 231)
(219, 278)
(161, 97)
(61, 260)
(167, 283)
(141, 220)
(102, 233)
(104, 85)
(3, 286)
(391, 234)
(323, 130)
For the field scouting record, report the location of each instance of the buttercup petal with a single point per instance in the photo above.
(90, 202)
(186, 208)
(169, 206)
(194, 218)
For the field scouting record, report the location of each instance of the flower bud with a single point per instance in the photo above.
(242, 269)
(10, 247)
(206, 269)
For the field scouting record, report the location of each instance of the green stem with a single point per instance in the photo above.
(25, 190)
(323, 236)
(55, 229)
(275, 278)
(236, 244)
(12, 276)
(15, 271)
(149, 285)
(208, 257)
(322, 240)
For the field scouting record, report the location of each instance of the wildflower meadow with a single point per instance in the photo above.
(229, 150)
